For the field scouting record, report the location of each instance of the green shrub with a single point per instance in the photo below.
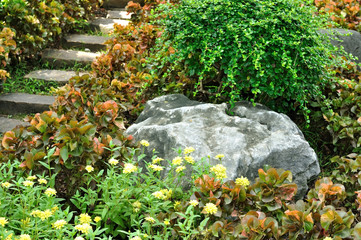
(265, 51)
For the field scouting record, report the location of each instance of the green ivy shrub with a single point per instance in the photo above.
(264, 51)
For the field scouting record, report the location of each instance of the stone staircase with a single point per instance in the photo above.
(21, 103)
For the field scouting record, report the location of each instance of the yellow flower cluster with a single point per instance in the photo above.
(3, 221)
(50, 192)
(145, 143)
(42, 214)
(42, 181)
(113, 161)
(136, 206)
(79, 238)
(157, 160)
(180, 169)
(163, 194)
(97, 219)
(31, 178)
(243, 181)
(188, 150)
(150, 219)
(28, 183)
(220, 156)
(84, 228)
(136, 238)
(189, 159)
(177, 161)
(210, 208)
(156, 167)
(6, 184)
(59, 224)
(129, 168)
(193, 203)
(24, 237)
(9, 237)
(85, 218)
(328, 238)
(89, 168)
(219, 170)
(166, 222)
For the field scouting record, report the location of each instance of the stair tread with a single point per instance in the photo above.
(118, 13)
(14, 103)
(106, 25)
(60, 76)
(94, 43)
(7, 124)
(62, 57)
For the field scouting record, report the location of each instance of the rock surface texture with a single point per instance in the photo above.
(350, 40)
(252, 138)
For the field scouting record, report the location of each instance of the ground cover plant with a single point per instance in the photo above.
(105, 191)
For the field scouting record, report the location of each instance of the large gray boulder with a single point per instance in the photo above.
(252, 138)
(349, 39)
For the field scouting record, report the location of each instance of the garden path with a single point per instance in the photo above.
(76, 49)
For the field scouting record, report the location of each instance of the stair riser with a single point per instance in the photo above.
(17, 103)
(91, 46)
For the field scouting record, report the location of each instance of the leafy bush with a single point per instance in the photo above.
(265, 51)
(30, 209)
(42, 22)
(7, 44)
(346, 13)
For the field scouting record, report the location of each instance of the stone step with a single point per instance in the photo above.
(93, 43)
(106, 25)
(117, 3)
(15, 103)
(60, 57)
(118, 13)
(60, 76)
(7, 124)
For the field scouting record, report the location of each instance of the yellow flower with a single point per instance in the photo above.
(328, 238)
(220, 156)
(210, 208)
(31, 178)
(84, 228)
(6, 184)
(25, 237)
(166, 222)
(3, 221)
(54, 209)
(45, 214)
(136, 238)
(176, 203)
(25, 222)
(28, 183)
(50, 192)
(97, 219)
(9, 237)
(220, 171)
(243, 181)
(177, 161)
(193, 203)
(89, 168)
(35, 213)
(129, 168)
(150, 219)
(156, 168)
(59, 224)
(157, 160)
(189, 159)
(85, 218)
(137, 204)
(113, 161)
(145, 235)
(167, 193)
(158, 194)
(180, 169)
(42, 181)
(188, 150)
(145, 143)
(79, 238)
